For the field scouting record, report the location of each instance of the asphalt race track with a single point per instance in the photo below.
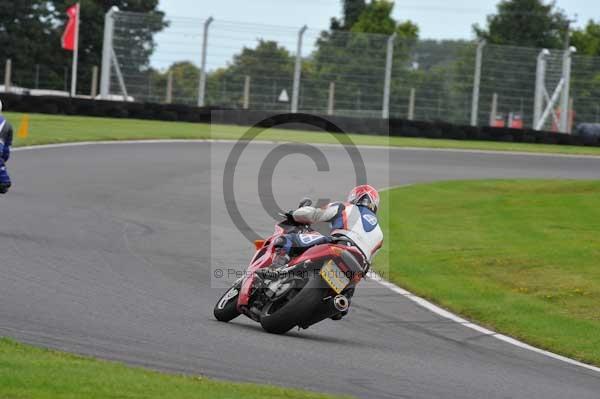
(111, 250)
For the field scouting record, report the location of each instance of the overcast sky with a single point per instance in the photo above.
(436, 18)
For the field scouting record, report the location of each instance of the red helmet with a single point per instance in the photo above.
(365, 196)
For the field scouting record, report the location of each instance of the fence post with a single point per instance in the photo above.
(120, 78)
(566, 94)
(247, 81)
(331, 102)
(107, 51)
(388, 77)
(202, 85)
(7, 75)
(494, 112)
(571, 119)
(94, 90)
(411, 104)
(298, 70)
(551, 103)
(540, 84)
(477, 84)
(169, 95)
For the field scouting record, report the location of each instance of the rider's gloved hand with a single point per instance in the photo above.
(290, 217)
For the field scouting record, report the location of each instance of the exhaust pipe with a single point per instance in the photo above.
(341, 303)
(329, 308)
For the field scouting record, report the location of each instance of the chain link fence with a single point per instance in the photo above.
(586, 89)
(267, 67)
(41, 79)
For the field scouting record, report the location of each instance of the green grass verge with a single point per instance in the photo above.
(32, 373)
(521, 257)
(48, 129)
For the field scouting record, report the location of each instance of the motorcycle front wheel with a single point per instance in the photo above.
(226, 307)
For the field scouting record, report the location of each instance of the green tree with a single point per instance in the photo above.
(509, 73)
(185, 83)
(376, 18)
(30, 32)
(441, 72)
(351, 9)
(585, 82)
(429, 54)
(587, 40)
(527, 23)
(270, 68)
(355, 60)
(26, 30)
(140, 39)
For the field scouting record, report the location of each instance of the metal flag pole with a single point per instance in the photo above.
(75, 55)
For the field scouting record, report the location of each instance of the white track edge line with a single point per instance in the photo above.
(374, 276)
(271, 142)
(466, 323)
(457, 319)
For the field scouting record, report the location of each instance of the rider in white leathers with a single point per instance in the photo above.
(354, 220)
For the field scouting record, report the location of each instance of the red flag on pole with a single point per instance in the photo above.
(69, 37)
(70, 42)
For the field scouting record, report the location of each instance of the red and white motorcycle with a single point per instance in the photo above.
(313, 286)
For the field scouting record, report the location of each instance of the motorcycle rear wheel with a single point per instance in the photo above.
(297, 310)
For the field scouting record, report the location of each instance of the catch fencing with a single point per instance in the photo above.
(263, 67)
(41, 79)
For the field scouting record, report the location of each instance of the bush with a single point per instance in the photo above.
(49, 108)
(409, 131)
(472, 133)
(170, 116)
(433, 133)
(528, 138)
(117, 112)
